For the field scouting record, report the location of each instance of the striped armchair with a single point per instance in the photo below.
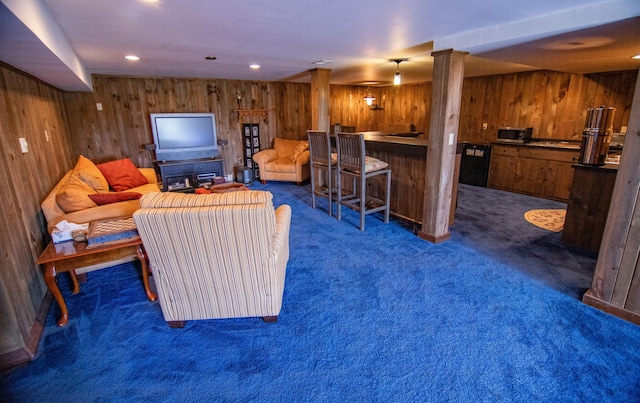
(216, 255)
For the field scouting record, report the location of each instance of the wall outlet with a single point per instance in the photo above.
(99, 106)
(24, 146)
(485, 126)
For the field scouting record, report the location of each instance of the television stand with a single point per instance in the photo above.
(186, 176)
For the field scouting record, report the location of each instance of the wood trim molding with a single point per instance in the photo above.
(25, 354)
(434, 239)
(252, 113)
(616, 311)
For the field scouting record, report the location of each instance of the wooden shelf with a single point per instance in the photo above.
(259, 113)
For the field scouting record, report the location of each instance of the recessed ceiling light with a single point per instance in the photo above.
(635, 57)
(254, 66)
(579, 43)
(132, 58)
(321, 62)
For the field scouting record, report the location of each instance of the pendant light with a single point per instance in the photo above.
(369, 99)
(397, 77)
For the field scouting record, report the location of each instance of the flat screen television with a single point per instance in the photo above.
(184, 136)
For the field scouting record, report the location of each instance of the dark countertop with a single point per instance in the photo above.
(605, 167)
(555, 144)
(401, 143)
(380, 141)
(394, 138)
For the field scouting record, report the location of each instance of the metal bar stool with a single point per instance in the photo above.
(321, 161)
(355, 164)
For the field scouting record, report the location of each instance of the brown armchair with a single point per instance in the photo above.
(288, 161)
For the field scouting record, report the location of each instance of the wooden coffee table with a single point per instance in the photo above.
(68, 257)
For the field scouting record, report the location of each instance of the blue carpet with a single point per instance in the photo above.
(493, 314)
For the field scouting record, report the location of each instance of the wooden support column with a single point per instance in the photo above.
(320, 99)
(616, 282)
(448, 71)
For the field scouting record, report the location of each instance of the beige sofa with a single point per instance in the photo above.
(216, 255)
(288, 161)
(55, 211)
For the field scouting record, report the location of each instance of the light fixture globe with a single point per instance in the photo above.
(397, 77)
(369, 99)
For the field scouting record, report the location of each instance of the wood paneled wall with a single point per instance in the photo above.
(554, 104)
(400, 106)
(122, 127)
(28, 108)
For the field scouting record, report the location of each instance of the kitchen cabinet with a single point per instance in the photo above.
(530, 175)
(542, 171)
(502, 167)
(557, 184)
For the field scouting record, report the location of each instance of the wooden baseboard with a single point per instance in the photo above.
(621, 313)
(433, 239)
(25, 354)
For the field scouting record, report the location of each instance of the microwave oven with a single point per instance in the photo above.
(515, 134)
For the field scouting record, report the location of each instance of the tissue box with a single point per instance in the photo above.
(64, 231)
(58, 236)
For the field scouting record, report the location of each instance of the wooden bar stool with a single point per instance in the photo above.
(355, 164)
(322, 161)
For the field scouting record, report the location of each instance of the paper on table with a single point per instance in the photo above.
(65, 225)
(64, 231)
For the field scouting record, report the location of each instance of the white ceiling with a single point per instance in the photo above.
(63, 42)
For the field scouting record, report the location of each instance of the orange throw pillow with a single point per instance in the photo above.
(91, 175)
(300, 148)
(107, 198)
(122, 174)
(72, 196)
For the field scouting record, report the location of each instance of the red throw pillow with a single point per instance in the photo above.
(108, 198)
(122, 174)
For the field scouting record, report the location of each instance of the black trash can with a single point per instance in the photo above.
(244, 175)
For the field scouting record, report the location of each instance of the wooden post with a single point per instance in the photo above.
(320, 99)
(616, 282)
(448, 71)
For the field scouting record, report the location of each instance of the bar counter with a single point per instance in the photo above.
(588, 206)
(407, 159)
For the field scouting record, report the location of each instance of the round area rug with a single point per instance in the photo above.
(552, 220)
